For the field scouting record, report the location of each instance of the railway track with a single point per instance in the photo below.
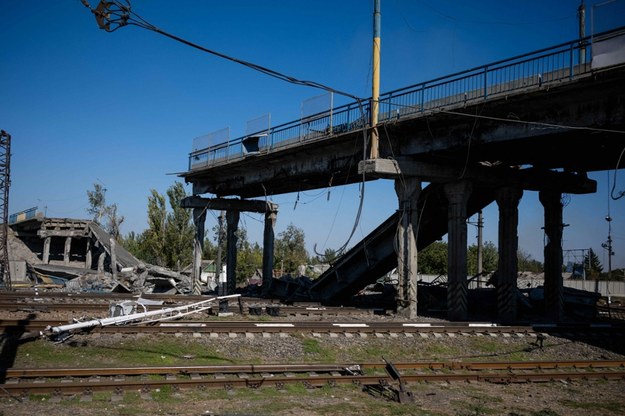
(61, 382)
(325, 327)
(100, 305)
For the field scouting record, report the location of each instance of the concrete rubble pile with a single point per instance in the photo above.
(79, 256)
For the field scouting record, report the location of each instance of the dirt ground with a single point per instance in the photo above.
(583, 398)
(557, 398)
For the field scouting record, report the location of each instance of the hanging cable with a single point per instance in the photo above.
(621, 193)
(114, 14)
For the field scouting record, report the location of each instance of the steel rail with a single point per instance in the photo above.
(325, 327)
(254, 369)
(609, 370)
(102, 307)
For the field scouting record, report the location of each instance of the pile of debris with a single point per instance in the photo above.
(79, 256)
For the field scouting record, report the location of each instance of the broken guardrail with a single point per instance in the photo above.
(63, 331)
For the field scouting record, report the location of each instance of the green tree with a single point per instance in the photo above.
(100, 210)
(527, 263)
(179, 230)
(134, 244)
(219, 237)
(490, 258)
(329, 256)
(154, 236)
(209, 251)
(290, 250)
(168, 240)
(433, 258)
(249, 259)
(113, 222)
(592, 265)
(97, 203)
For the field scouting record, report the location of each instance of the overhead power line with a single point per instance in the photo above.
(114, 14)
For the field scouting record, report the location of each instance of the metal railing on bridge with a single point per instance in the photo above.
(536, 69)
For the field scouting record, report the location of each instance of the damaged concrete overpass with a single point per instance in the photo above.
(537, 122)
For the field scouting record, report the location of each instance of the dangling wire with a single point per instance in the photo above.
(621, 193)
(330, 187)
(113, 14)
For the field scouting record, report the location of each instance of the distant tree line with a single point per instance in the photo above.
(168, 242)
(433, 259)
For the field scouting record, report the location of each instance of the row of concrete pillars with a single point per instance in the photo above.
(89, 252)
(457, 194)
(233, 209)
(408, 190)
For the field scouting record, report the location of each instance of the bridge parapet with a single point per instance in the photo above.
(539, 69)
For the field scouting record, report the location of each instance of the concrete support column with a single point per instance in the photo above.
(101, 259)
(554, 304)
(508, 203)
(457, 195)
(88, 255)
(67, 251)
(268, 245)
(113, 244)
(45, 256)
(232, 221)
(199, 218)
(408, 190)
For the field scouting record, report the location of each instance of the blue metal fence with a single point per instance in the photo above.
(543, 67)
(23, 215)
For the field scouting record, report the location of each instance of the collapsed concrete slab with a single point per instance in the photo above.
(79, 255)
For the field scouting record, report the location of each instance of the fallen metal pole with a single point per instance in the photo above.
(167, 313)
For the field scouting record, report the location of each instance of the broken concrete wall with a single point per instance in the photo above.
(79, 255)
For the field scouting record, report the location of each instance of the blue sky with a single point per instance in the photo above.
(85, 106)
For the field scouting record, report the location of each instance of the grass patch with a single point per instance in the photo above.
(475, 408)
(439, 351)
(165, 395)
(545, 412)
(608, 406)
(314, 351)
(127, 352)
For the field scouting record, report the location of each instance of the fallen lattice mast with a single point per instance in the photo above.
(141, 317)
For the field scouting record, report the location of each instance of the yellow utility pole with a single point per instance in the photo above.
(375, 96)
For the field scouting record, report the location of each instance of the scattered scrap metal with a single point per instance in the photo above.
(397, 392)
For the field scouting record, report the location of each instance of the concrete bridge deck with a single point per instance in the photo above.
(544, 110)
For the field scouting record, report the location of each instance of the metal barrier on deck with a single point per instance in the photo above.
(540, 68)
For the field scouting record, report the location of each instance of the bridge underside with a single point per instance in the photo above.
(544, 138)
(505, 130)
